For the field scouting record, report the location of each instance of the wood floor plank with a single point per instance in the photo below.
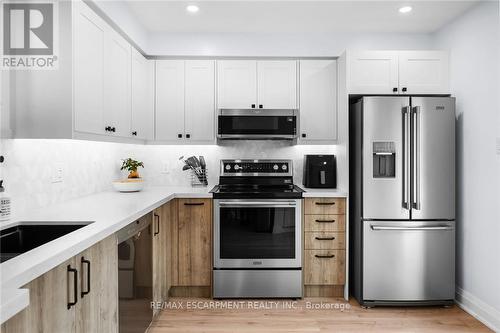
(247, 319)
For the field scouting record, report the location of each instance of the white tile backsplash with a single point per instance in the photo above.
(90, 167)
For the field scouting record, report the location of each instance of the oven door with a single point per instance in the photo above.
(257, 124)
(254, 233)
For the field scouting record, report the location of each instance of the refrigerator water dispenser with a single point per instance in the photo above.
(384, 160)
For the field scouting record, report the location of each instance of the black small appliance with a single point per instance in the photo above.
(320, 171)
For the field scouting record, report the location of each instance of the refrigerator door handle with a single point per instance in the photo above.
(416, 158)
(442, 227)
(406, 113)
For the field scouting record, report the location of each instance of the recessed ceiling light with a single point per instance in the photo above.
(192, 8)
(405, 9)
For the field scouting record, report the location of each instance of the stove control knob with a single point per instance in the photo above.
(237, 167)
(228, 167)
(283, 167)
(275, 167)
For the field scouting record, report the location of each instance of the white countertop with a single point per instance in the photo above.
(323, 193)
(109, 212)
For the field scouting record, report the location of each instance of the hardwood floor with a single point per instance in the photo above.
(279, 319)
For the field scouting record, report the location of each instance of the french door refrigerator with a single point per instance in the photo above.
(402, 200)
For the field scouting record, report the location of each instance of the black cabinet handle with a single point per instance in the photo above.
(194, 203)
(87, 262)
(404, 89)
(253, 106)
(261, 106)
(75, 286)
(325, 203)
(325, 221)
(157, 217)
(179, 136)
(134, 133)
(304, 135)
(113, 129)
(394, 89)
(325, 238)
(188, 136)
(107, 128)
(327, 256)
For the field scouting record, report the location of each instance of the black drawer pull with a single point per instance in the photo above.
(87, 262)
(157, 219)
(325, 203)
(324, 238)
(325, 221)
(194, 203)
(326, 256)
(75, 286)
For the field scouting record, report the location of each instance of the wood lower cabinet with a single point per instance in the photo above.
(57, 306)
(161, 259)
(195, 242)
(324, 246)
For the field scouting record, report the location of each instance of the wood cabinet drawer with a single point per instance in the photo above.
(324, 206)
(324, 222)
(324, 241)
(323, 267)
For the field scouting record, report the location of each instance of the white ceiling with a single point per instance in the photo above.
(296, 16)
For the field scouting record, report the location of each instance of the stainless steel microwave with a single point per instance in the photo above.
(257, 124)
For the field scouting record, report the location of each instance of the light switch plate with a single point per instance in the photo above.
(57, 173)
(498, 146)
(165, 168)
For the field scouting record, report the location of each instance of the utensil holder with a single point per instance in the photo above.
(199, 178)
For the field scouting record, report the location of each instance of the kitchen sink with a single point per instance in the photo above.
(24, 237)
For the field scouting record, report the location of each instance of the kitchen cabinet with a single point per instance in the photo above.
(397, 72)
(79, 295)
(117, 88)
(185, 101)
(318, 100)
(161, 258)
(251, 84)
(423, 72)
(324, 247)
(277, 84)
(89, 40)
(194, 242)
(142, 95)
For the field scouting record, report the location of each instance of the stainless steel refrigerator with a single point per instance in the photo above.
(402, 200)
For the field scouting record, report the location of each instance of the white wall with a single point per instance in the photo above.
(279, 44)
(473, 41)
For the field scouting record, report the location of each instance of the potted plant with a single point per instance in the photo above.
(131, 166)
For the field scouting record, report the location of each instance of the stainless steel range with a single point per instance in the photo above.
(257, 230)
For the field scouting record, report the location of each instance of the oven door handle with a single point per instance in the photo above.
(258, 204)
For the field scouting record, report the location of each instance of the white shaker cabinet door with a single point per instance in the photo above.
(277, 84)
(423, 72)
(169, 100)
(237, 84)
(89, 38)
(200, 100)
(318, 100)
(373, 72)
(142, 97)
(117, 88)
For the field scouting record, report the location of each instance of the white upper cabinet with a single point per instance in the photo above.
(373, 72)
(277, 84)
(117, 87)
(142, 78)
(397, 72)
(169, 120)
(89, 39)
(424, 72)
(318, 100)
(237, 84)
(199, 100)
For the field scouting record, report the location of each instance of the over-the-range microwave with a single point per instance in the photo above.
(257, 124)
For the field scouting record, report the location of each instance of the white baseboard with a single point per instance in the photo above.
(483, 312)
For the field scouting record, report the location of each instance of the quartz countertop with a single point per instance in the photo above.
(108, 211)
(324, 193)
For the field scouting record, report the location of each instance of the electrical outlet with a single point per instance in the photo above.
(165, 168)
(57, 174)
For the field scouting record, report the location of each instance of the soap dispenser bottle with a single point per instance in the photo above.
(4, 203)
